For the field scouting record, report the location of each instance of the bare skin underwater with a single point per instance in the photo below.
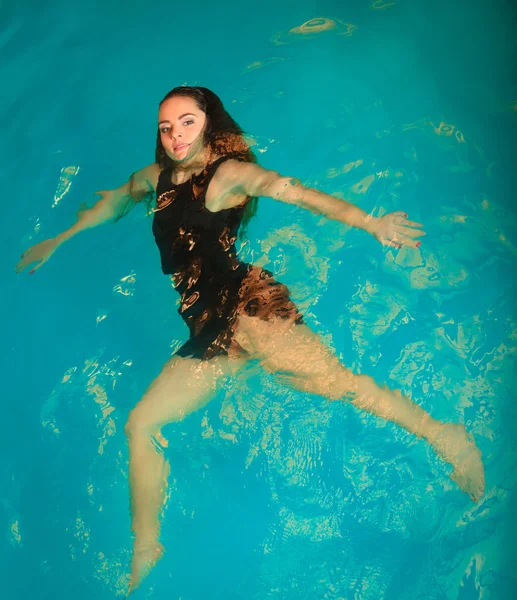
(301, 361)
(294, 353)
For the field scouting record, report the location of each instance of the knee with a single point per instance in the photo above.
(131, 424)
(335, 384)
(351, 386)
(144, 421)
(137, 424)
(361, 391)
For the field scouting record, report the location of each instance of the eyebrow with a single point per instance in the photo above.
(179, 118)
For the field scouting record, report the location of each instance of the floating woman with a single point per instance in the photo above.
(206, 182)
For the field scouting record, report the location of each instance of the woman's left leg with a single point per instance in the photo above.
(183, 386)
(301, 360)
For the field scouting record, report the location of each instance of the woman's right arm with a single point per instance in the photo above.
(111, 207)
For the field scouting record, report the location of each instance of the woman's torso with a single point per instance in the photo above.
(197, 246)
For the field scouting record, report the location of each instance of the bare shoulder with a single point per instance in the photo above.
(146, 178)
(152, 172)
(244, 177)
(224, 191)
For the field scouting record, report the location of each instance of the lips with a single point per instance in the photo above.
(180, 146)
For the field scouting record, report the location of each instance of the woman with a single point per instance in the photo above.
(206, 181)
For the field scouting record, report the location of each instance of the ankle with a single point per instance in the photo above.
(145, 544)
(146, 539)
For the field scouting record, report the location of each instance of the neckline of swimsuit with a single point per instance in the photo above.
(194, 176)
(182, 183)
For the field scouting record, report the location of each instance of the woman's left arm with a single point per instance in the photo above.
(392, 229)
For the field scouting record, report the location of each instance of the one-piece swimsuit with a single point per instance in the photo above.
(197, 248)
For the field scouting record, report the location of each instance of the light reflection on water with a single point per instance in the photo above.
(344, 494)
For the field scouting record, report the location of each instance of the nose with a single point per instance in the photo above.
(175, 133)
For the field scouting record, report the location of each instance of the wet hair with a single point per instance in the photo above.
(222, 135)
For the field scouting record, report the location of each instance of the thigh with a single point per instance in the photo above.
(183, 386)
(297, 355)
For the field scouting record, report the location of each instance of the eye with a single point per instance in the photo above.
(188, 122)
(164, 129)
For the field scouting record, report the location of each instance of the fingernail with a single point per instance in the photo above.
(418, 244)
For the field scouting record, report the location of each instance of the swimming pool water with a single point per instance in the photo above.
(274, 494)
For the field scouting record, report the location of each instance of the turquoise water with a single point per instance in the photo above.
(274, 495)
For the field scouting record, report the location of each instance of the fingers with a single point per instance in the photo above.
(406, 240)
(400, 240)
(401, 221)
(23, 264)
(400, 218)
(414, 233)
(390, 242)
(26, 260)
(37, 266)
(407, 223)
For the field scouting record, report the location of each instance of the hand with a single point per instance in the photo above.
(394, 230)
(38, 254)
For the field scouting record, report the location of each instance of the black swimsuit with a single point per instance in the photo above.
(197, 247)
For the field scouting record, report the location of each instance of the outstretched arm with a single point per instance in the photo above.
(112, 206)
(391, 230)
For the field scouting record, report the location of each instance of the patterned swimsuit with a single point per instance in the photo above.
(197, 247)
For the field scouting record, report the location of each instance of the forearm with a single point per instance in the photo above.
(107, 209)
(293, 192)
(335, 209)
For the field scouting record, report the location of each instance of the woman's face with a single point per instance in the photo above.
(181, 123)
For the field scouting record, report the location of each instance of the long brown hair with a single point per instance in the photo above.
(222, 135)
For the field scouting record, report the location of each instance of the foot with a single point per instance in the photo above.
(454, 445)
(142, 563)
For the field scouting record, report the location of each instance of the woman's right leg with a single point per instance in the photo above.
(301, 360)
(183, 386)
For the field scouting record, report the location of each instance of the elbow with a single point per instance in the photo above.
(285, 189)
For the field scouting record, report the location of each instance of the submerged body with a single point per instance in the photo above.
(235, 311)
(197, 248)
